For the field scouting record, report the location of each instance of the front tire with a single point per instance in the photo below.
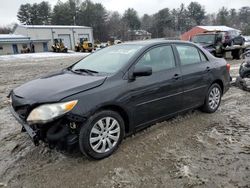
(213, 99)
(101, 135)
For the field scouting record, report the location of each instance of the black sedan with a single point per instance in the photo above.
(116, 91)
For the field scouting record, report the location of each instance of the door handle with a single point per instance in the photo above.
(208, 69)
(176, 76)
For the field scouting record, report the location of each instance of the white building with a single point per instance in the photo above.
(70, 34)
(14, 44)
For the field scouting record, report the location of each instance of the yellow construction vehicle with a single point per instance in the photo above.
(84, 46)
(96, 44)
(59, 46)
(112, 41)
(25, 49)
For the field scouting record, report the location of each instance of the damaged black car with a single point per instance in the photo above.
(110, 94)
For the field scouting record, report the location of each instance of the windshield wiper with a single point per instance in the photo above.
(88, 71)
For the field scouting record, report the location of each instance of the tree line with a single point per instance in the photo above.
(106, 24)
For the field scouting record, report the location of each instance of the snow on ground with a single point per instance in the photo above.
(234, 67)
(39, 56)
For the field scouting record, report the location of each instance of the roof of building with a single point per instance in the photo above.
(217, 28)
(54, 26)
(12, 38)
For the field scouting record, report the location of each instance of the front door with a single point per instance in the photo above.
(196, 74)
(158, 95)
(15, 49)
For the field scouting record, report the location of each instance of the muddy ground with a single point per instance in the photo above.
(191, 150)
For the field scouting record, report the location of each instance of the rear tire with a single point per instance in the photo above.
(213, 99)
(101, 135)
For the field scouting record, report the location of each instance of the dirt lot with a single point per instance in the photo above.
(195, 149)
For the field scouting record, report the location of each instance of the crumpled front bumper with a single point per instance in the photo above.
(25, 127)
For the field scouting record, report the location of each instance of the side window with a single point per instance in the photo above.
(159, 58)
(188, 54)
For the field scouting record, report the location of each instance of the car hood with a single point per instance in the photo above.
(55, 87)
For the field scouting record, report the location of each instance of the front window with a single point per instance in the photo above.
(207, 39)
(159, 58)
(108, 60)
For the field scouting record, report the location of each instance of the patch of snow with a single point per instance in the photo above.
(12, 36)
(234, 67)
(185, 171)
(43, 55)
(55, 26)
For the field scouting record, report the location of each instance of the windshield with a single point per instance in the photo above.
(108, 60)
(208, 39)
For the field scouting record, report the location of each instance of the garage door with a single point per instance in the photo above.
(66, 40)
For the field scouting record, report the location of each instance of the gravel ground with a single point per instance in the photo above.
(191, 150)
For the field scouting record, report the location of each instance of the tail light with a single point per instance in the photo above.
(228, 67)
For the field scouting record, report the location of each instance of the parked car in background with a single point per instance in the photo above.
(247, 41)
(244, 70)
(218, 43)
(212, 42)
(117, 91)
(243, 80)
(233, 37)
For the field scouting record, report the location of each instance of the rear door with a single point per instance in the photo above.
(196, 74)
(158, 95)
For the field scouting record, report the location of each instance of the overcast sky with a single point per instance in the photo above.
(9, 8)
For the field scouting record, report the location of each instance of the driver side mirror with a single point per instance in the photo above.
(142, 71)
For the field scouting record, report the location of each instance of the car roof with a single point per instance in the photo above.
(152, 42)
(209, 33)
